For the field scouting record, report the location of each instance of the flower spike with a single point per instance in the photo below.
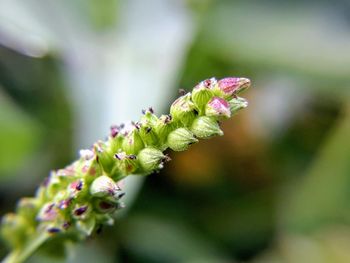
(77, 201)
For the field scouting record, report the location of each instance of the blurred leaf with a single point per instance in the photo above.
(19, 136)
(292, 39)
(329, 245)
(322, 196)
(157, 240)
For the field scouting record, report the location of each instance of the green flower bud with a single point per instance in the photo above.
(116, 143)
(163, 127)
(150, 159)
(127, 164)
(205, 127)
(148, 135)
(104, 186)
(218, 107)
(146, 128)
(54, 184)
(180, 139)
(237, 104)
(148, 117)
(183, 109)
(105, 156)
(201, 94)
(132, 143)
(107, 206)
(27, 207)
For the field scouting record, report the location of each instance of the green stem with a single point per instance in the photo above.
(20, 255)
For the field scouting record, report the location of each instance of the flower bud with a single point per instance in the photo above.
(105, 157)
(54, 184)
(183, 109)
(104, 186)
(205, 127)
(148, 117)
(163, 127)
(147, 132)
(180, 139)
(48, 212)
(115, 143)
(89, 168)
(218, 107)
(148, 135)
(81, 211)
(237, 104)
(27, 207)
(106, 206)
(228, 87)
(150, 159)
(127, 164)
(63, 175)
(132, 143)
(201, 94)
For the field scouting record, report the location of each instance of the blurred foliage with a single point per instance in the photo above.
(36, 86)
(101, 15)
(35, 123)
(273, 189)
(19, 136)
(321, 198)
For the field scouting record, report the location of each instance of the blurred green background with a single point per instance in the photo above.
(275, 188)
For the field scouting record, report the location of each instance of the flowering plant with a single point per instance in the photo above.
(76, 201)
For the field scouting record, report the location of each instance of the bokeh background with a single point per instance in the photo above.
(275, 188)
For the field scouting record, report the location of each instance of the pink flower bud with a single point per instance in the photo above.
(218, 107)
(232, 86)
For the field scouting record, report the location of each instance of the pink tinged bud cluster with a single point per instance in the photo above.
(83, 196)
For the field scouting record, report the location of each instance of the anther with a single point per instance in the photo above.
(121, 195)
(132, 157)
(53, 230)
(66, 225)
(81, 210)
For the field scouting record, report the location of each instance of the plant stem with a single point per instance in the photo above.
(20, 255)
